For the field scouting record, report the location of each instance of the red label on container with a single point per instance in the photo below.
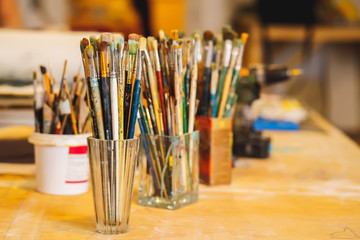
(82, 181)
(78, 150)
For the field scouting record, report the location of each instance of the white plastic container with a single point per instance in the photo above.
(62, 165)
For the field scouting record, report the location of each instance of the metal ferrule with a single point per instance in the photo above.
(113, 65)
(138, 67)
(130, 67)
(234, 55)
(176, 69)
(217, 59)
(239, 58)
(227, 53)
(108, 60)
(180, 62)
(103, 64)
(208, 49)
(157, 61)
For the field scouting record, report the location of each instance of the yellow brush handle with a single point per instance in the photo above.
(225, 93)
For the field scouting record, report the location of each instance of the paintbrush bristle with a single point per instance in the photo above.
(102, 46)
(154, 44)
(92, 39)
(84, 42)
(175, 46)
(81, 47)
(175, 34)
(132, 47)
(119, 46)
(126, 46)
(144, 102)
(161, 35)
(106, 37)
(43, 69)
(142, 44)
(229, 35)
(196, 36)
(34, 75)
(112, 46)
(133, 37)
(237, 42)
(244, 37)
(89, 51)
(180, 42)
(95, 45)
(149, 41)
(208, 36)
(118, 37)
(226, 28)
(181, 34)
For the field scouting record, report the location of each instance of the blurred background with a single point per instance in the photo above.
(322, 37)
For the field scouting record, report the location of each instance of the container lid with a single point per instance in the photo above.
(58, 140)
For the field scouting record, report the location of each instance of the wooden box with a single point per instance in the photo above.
(215, 149)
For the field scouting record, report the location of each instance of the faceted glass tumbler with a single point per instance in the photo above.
(169, 170)
(112, 166)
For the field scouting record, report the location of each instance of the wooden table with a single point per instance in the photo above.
(308, 189)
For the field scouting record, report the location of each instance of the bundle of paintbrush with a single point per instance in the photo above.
(168, 107)
(220, 72)
(113, 71)
(170, 71)
(63, 112)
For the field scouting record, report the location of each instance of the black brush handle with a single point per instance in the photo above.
(206, 91)
(106, 108)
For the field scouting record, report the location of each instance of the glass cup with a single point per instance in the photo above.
(112, 166)
(169, 170)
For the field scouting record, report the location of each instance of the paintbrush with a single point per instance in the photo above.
(214, 78)
(95, 92)
(194, 73)
(46, 82)
(208, 53)
(178, 101)
(114, 94)
(231, 98)
(121, 86)
(105, 92)
(54, 120)
(225, 93)
(36, 104)
(154, 49)
(228, 36)
(154, 90)
(137, 88)
(133, 40)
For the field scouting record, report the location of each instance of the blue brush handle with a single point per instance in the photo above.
(134, 107)
(147, 151)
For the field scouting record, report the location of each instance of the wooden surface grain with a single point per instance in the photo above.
(308, 189)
